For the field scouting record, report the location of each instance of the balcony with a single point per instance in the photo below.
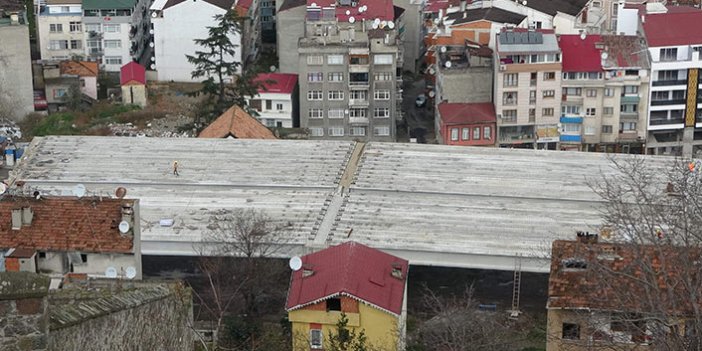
(360, 68)
(663, 121)
(571, 138)
(573, 120)
(629, 116)
(359, 85)
(629, 135)
(516, 138)
(358, 120)
(659, 83)
(358, 102)
(668, 102)
(572, 98)
(630, 99)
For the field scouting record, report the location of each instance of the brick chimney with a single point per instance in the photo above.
(586, 237)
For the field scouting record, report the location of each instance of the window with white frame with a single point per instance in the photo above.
(465, 134)
(590, 111)
(630, 89)
(316, 113)
(547, 111)
(381, 112)
(608, 92)
(315, 60)
(627, 126)
(608, 111)
(570, 109)
(381, 94)
(58, 44)
(113, 44)
(476, 133)
(75, 27)
(56, 28)
(383, 59)
(509, 115)
(111, 28)
(335, 59)
(487, 133)
(336, 76)
(629, 108)
(113, 60)
(315, 77)
(382, 76)
(549, 93)
(606, 129)
(316, 132)
(454, 134)
(314, 95)
(668, 75)
(509, 98)
(358, 95)
(335, 95)
(669, 54)
(336, 131)
(549, 75)
(357, 112)
(660, 95)
(279, 107)
(591, 93)
(76, 44)
(92, 27)
(571, 128)
(336, 113)
(357, 131)
(590, 130)
(381, 131)
(573, 91)
(511, 79)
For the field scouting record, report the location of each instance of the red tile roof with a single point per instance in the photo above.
(673, 28)
(382, 9)
(22, 253)
(237, 123)
(282, 83)
(65, 224)
(350, 269)
(580, 55)
(467, 113)
(79, 68)
(132, 73)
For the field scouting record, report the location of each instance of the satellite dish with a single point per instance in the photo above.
(374, 25)
(120, 192)
(376, 21)
(524, 2)
(151, 44)
(79, 190)
(295, 263)
(111, 272)
(383, 24)
(604, 55)
(583, 35)
(436, 21)
(154, 14)
(153, 58)
(314, 4)
(273, 68)
(447, 64)
(432, 94)
(151, 31)
(130, 272)
(391, 24)
(443, 49)
(352, 19)
(123, 227)
(364, 7)
(432, 71)
(153, 66)
(348, 12)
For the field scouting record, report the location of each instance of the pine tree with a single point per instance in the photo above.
(345, 339)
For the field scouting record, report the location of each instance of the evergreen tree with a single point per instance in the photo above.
(345, 339)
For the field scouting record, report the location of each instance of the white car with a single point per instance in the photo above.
(421, 100)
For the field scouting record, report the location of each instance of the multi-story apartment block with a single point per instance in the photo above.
(349, 64)
(116, 32)
(267, 19)
(675, 114)
(604, 93)
(60, 30)
(527, 87)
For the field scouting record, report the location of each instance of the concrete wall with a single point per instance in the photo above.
(134, 94)
(89, 87)
(24, 322)
(16, 91)
(290, 27)
(172, 42)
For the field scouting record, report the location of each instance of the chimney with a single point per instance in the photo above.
(586, 237)
(17, 219)
(14, 19)
(463, 7)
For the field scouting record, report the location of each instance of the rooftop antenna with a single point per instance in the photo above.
(123, 227)
(111, 272)
(295, 263)
(79, 191)
(130, 272)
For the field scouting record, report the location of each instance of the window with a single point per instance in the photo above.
(608, 92)
(476, 133)
(111, 28)
(572, 91)
(357, 112)
(55, 28)
(279, 107)
(659, 95)
(58, 44)
(511, 79)
(487, 133)
(336, 131)
(91, 13)
(92, 27)
(667, 75)
(678, 94)
(381, 131)
(570, 109)
(385, 59)
(606, 129)
(269, 105)
(454, 134)
(314, 95)
(315, 60)
(113, 60)
(629, 108)
(382, 76)
(574, 263)
(336, 113)
(317, 132)
(336, 77)
(571, 331)
(532, 97)
(381, 112)
(465, 134)
(532, 115)
(549, 93)
(669, 54)
(358, 95)
(532, 79)
(608, 111)
(315, 77)
(509, 115)
(335, 59)
(113, 44)
(630, 89)
(76, 44)
(509, 98)
(315, 338)
(357, 131)
(75, 27)
(316, 113)
(590, 130)
(547, 111)
(591, 93)
(335, 95)
(382, 94)
(549, 75)
(59, 93)
(590, 111)
(627, 126)
(334, 304)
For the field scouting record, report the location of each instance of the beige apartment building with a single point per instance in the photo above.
(527, 87)
(60, 29)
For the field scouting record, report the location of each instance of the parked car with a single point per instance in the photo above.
(40, 103)
(421, 100)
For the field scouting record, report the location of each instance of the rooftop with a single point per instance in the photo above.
(291, 4)
(466, 113)
(224, 4)
(660, 33)
(132, 73)
(108, 5)
(88, 224)
(79, 68)
(552, 7)
(526, 41)
(580, 55)
(236, 123)
(625, 51)
(350, 269)
(382, 9)
(493, 14)
(11, 5)
(283, 83)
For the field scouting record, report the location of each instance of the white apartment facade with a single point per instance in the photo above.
(60, 30)
(276, 102)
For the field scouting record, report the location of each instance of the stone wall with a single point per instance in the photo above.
(23, 311)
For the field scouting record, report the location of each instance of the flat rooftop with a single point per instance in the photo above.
(431, 204)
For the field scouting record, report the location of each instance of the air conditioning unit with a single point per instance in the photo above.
(503, 68)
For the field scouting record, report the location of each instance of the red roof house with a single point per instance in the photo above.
(580, 55)
(670, 29)
(132, 73)
(280, 83)
(470, 124)
(352, 270)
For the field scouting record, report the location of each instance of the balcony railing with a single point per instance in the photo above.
(662, 121)
(658, 83)
(628, 135)
(358, 102)
(359, 84)
(668, 102)
(358, 120)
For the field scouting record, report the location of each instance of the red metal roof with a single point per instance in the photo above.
(350, 269)
(382, 9)
(65, 224)
(282, 83)
(466, 113)
(132, 73)
(580, 55)
(672, 29)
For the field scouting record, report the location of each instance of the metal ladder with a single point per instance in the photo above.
(514, 312)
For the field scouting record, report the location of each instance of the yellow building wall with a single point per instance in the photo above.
(381, 328)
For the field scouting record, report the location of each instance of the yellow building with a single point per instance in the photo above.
(366, 285)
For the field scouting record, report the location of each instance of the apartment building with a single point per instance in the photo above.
(116, 32)
(604, 93)
(267, 10)
(675, 113)
(60, 30)
(350, 70)
(527, 84)
(277, 99)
